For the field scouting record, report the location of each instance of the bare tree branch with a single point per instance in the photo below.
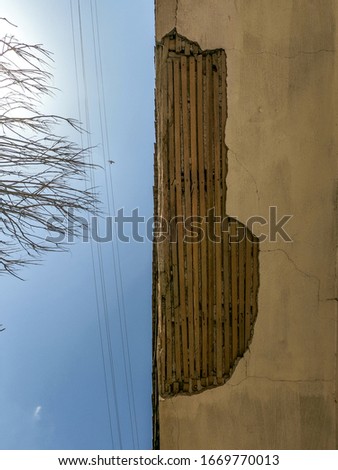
(42, 173)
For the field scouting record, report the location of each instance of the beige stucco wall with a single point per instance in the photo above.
(281, 134)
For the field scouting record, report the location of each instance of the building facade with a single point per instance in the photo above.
(244, 267)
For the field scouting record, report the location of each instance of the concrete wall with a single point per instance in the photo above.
(282, 151)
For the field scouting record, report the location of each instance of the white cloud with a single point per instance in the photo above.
(37, 413)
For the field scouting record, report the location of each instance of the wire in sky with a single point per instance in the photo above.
(111, 208)
(98, 246)
(101, 274)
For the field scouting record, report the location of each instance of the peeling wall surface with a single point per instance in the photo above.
(281, 144)
(206, 268)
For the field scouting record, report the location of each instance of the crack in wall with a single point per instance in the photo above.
(178, 427)
(249, 173)
(278, 55)
(269, 379)
(303, 273)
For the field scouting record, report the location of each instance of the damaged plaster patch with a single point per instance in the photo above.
(205, 290)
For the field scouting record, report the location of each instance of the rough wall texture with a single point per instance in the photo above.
(206, 267)
(282, 147)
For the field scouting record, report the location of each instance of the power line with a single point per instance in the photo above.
(99, 252)
(91, 247)
(110, 196)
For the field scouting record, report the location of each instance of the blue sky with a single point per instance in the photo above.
(52, 378)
